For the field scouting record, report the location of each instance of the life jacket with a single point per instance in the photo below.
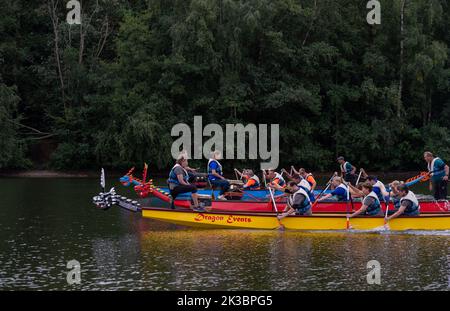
(304, 184)
(344, 169)
(218, 169)
(306, 178)
(375, 207)
(433, 170)
(340, 197)
(256, 185)
(173, 179)
(382, 188)
(306, 205)
(415, 203)
(281, 181)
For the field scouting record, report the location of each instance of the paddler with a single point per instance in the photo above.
(371, 205)
(251, 180)
(306, 176)
(409, 205)
(300, 182)
(340, 190)
(439, 172)
(379, 188)
(215, 174)
(298, 202)
(178, 182)
(348, 171)
(275, 178)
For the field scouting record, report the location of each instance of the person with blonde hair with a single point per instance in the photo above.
(179, 182)
(340, 191)
(215, 174)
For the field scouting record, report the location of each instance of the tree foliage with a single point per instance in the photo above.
(110, 90)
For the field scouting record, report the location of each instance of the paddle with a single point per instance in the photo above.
(359, 176)
(322, 192)
(423, 176)
(386, 222)
(348, 207)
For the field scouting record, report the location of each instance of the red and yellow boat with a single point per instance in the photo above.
(268, 207)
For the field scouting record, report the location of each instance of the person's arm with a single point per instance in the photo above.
(313, 183)
(355, 192)
(324, 197)
(249, 183)
(446, 173)
(384, 191)
(187, 168)
(360, 211)
(287, 174)
(239, 173)
(181, 180)
(294, 170)
(213, 172)
(400, 211)
(364, 175)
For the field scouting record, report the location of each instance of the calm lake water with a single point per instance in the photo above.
(44, 223)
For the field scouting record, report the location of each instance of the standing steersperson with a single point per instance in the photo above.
(439, 172)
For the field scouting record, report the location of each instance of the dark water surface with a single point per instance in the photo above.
(44, 223)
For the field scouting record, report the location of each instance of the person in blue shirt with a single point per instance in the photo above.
(339, 192)
(439, 172)
(348, 171)
(215, 175)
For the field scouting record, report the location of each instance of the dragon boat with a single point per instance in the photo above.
(255, 200)
(268, 220)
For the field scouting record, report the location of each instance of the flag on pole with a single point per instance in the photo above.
(102, 179)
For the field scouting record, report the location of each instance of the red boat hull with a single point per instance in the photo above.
(321, 207)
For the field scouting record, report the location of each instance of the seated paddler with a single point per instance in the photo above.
(215, 174)
(298, 202)
(178, 182)
(371, 205)
(275, 178)
(251, 179)
(301, 183)
(339, 192)
(408, 204)
(379, 188)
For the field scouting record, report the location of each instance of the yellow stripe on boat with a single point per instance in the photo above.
(208, 220)
(315, 222)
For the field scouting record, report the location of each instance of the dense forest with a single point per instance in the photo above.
(108, 91)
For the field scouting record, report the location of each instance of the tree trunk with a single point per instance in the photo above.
(52, 6)
(400, 82)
